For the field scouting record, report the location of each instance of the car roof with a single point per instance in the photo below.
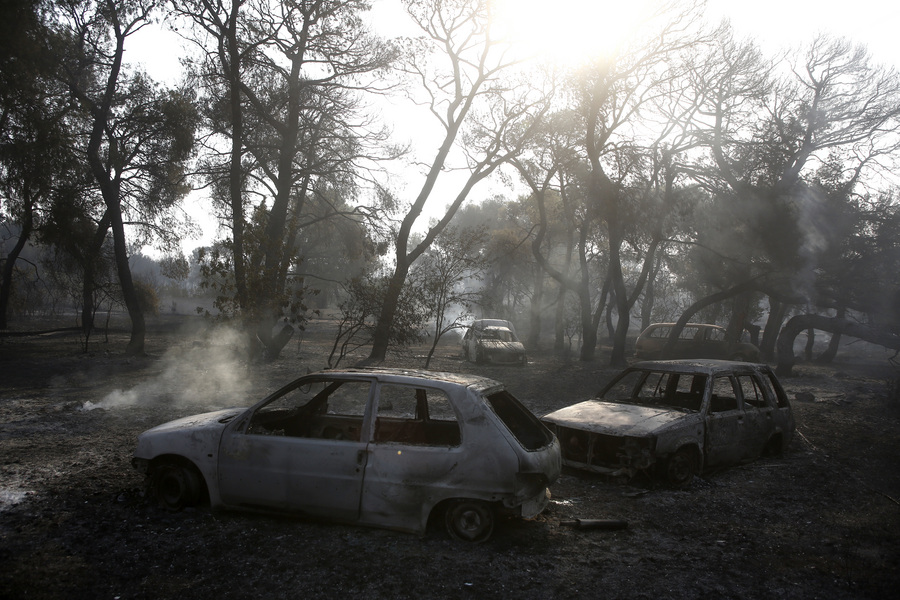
(488, 322)
(382, 373)
(706, 366)
(712, 325)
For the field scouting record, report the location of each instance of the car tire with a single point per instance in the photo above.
(773, 446)
(479, 355)
(176, 486)
(469, 520)
(681, 467)
(738, 358)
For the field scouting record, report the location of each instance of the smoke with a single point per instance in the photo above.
(208, 374)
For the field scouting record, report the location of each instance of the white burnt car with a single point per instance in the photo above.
(379, 447)
(493, 341)
(676, 417)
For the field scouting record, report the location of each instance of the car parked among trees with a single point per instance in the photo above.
(696, 340)
(493, 341)
(381, 447)
(675, 418)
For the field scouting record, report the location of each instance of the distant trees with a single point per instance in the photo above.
(686, 174)
(137, 138)
(462, 76)
(283, 84)
(786, 155)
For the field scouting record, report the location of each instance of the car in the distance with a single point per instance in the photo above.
(493, 341)
(674, 418)
(380, 447)
(696, 340)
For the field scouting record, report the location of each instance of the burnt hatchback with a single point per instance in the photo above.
(676, 417)
(380, 447)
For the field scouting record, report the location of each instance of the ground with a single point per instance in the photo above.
(822, 521)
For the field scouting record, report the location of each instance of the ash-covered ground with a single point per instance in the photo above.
(822, 521)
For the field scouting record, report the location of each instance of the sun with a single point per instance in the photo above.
(569, 31)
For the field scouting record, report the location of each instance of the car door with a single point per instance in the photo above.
(415, 455)
(724, 422)
(714, 345)
(313, 462)
(690, 342)
(759, 424)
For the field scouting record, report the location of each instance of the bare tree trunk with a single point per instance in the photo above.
(834, 325)
(773, 326)
(810, 341)
(833, 344)
(129, 293)
(10, 262)
(559, 342)
(537, 301)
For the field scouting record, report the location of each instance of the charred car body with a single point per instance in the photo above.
(379, 447)
(493, 341)
(676, 417)
(696, 340)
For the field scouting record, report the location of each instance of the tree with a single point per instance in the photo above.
(285, 83)
(33, 148)
(466, 95)
(139, 138)
(440, 278)
(785, 153)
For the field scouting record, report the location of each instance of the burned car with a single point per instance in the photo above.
(487, 340)
(696, 340)
(674, 418)
(380, 447)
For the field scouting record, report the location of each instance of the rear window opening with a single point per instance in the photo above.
(526, 428)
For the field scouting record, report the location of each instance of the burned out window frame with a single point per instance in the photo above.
(308, 420)
(421, 430)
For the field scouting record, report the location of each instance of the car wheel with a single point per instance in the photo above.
(738, 358)
(773, 446)
(469, 520)
(479, 355)
(681, 467)
(176, 486)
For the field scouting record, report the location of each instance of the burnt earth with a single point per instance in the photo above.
(822, 521)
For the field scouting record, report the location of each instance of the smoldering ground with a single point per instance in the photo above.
(209, 373)
(819, 521)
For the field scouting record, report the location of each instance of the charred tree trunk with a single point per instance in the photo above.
(559, 323)
(810, 342)
(129, 293)
(699, 305)
(773, 326)
(647, 304)
(835, 342)
(834, 325)
(537, 300)
(10, 263)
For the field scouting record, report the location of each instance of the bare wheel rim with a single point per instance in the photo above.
(681, 468)
(470, 521)
(176, 487)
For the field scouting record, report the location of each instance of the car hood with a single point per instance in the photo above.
(615, 418)
(193, 437)
(216, 420)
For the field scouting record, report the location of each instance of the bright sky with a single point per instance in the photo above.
(566, 27)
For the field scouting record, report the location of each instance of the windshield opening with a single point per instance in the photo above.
(683, 391)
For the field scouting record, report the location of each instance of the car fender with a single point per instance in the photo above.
(194, 439)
